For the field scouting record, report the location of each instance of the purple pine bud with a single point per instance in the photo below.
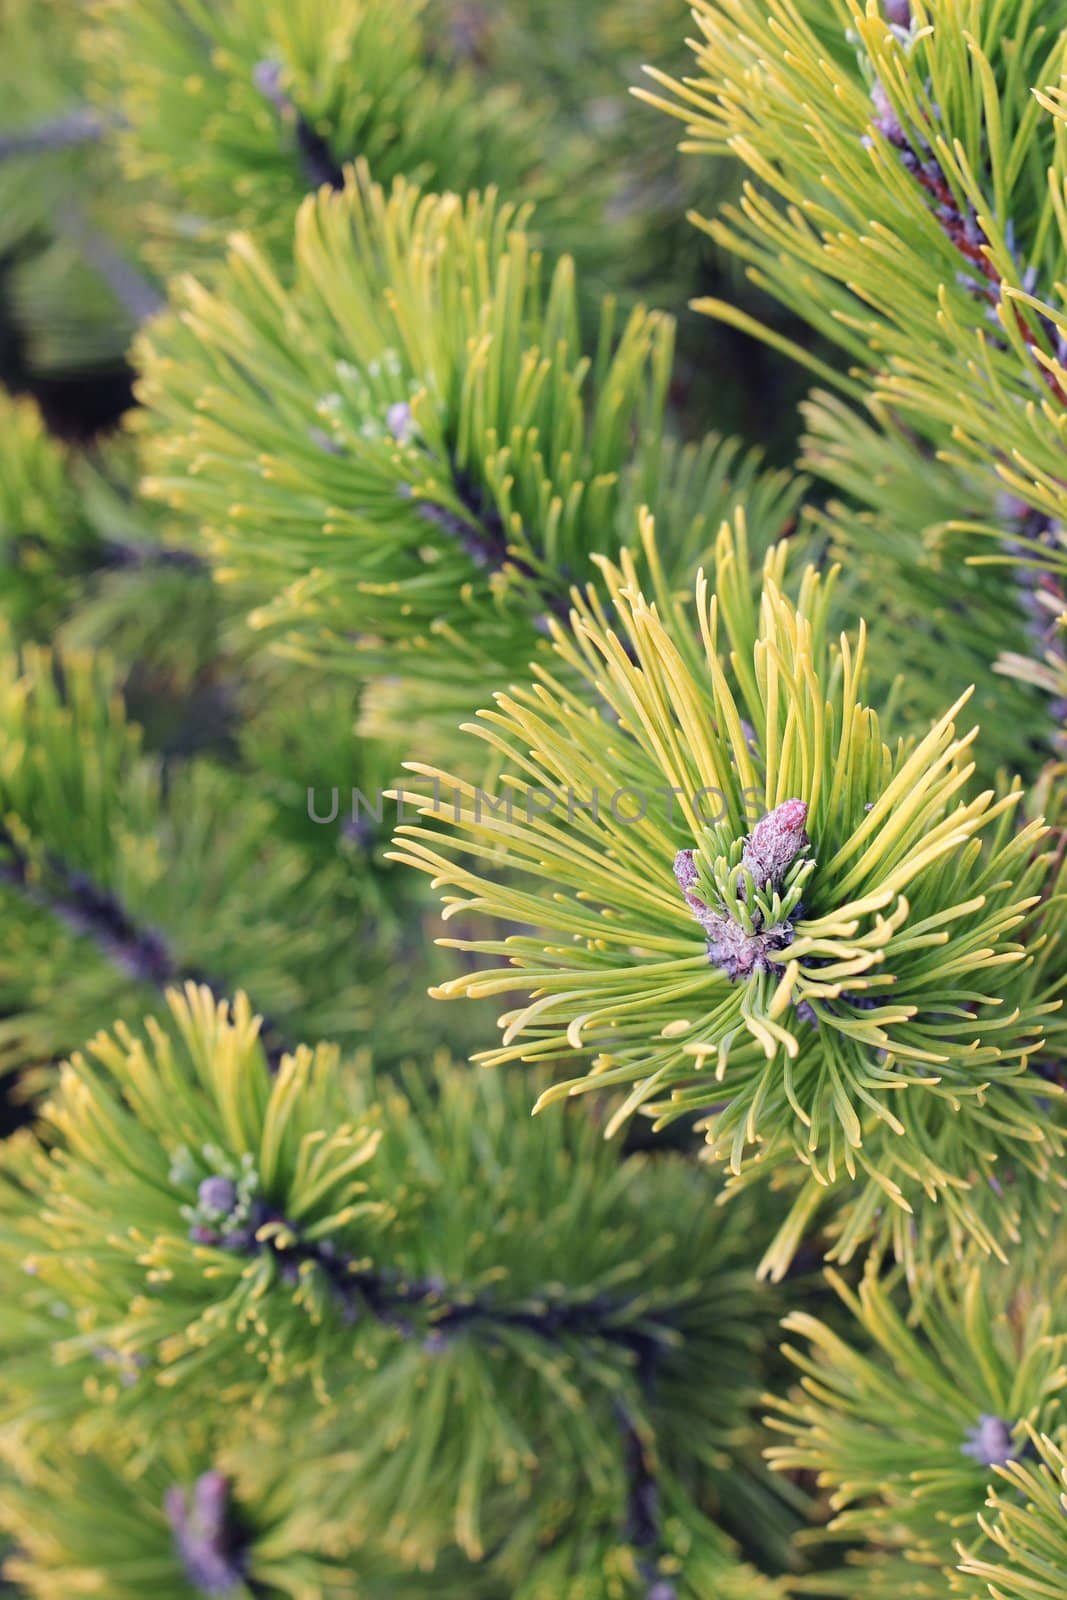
(217, 1195)
(1011, 509)
(886, 120)
(238, 1239)
(897, 13)
(739, 954)
(211, 1498)
(685, 870)
(731, 949)
(775, 842)
(400, 423)
(267, 77)
(989, 1443)
(204, 1536)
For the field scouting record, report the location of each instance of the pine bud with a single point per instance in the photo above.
(399, 422)
(768, 853)
(217, 1195)
(685, 870)
(204, 1535)
(990, 1442)
(886, 120)
(775, 842)
(267, 77)
(897, 13)
(739, 954)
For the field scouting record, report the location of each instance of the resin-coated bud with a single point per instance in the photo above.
(775, 842)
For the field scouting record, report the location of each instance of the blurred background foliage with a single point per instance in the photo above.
(74, 220)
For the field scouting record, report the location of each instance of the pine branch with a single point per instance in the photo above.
(1042, 591)
(202, 853)
(132, 289)
(908, 1413)
(961, 226)
(573, 1366)
(888, 226)
(1023, 1539)
(482, 536)
(900, 524)
(449, 1311)
(84, 125)
(363, 87)
(809, 969)
(137, 952)
(442, 461)
(126, 555)
(319, 166)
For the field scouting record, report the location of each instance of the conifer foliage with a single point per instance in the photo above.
(437, 626)
(442, 1315)
(422, 396)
